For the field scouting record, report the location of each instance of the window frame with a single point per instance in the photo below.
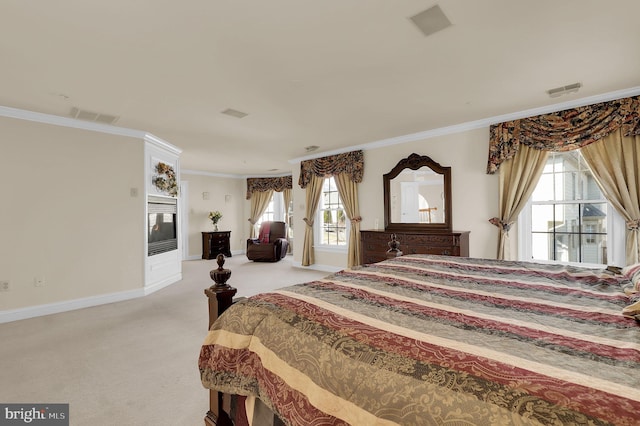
(616, 234)
(319, 229)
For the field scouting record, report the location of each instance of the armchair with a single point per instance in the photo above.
(271, 244)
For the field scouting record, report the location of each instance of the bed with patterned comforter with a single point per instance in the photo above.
(421, 340)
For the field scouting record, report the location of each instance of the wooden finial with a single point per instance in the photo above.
(220, 275)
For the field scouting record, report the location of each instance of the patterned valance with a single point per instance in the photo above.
(351, 163)
(277, 184)
(564, 130)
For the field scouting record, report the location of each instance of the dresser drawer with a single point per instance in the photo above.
(376, 243)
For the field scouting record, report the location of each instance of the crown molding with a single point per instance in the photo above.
(74, 123)
(478, 124)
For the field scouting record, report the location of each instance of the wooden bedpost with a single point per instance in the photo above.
(220, 298)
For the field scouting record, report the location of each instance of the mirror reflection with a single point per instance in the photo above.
(417, 196)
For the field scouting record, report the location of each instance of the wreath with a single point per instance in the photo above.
(165, 180)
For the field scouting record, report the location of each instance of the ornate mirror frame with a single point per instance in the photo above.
(414, 162)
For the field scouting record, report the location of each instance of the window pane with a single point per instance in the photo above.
(567, 187)
(567, 218)
(541, 246)
(542, 218)
(567, 248)
(544, 189)
(594, 249)
(594, 218)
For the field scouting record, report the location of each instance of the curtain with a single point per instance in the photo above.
(312, 174)
(351, 163)
(563, 130)
(286, 195)
(615, 164)
(259, 203)
(348, 191)
(314, 191)
(277, 184)
(518, 178)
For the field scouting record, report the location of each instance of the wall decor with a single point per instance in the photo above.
(165, 179)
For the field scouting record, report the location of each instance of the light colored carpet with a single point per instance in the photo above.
(131, 362)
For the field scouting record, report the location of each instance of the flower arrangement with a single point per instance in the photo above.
(215, 217)
(165, 181)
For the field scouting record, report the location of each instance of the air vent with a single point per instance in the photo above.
(82, 114)
(234, 113)
(431, 20)
(564, 90)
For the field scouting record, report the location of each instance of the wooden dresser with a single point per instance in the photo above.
(450, 243)
(214, 243)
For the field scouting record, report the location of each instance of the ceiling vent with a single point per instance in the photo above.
(431, 20)
(234, 113)
(82, 114)
(564, 90)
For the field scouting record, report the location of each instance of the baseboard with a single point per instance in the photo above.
(86, 302)
(159, 285)
(68, 305)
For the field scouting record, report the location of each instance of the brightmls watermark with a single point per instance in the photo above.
(34, 414)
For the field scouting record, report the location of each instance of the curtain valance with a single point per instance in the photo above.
(351, 163)
(277, 184)
(563, 130)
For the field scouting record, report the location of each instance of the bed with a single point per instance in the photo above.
(423, 339)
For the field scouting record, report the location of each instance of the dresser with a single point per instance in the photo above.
(450, 243)
(214, 243)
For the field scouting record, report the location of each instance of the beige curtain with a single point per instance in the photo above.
(314, 191)
(348, 191)
(286, 195)
(615, 164)
(518, 178)
(259, 203)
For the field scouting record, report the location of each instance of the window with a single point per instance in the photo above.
(568, 219)
(332, 229)
(276, 211)
(268, 213)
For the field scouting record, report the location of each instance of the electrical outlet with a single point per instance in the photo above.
(4, 285)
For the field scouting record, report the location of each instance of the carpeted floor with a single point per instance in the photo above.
(131, 362)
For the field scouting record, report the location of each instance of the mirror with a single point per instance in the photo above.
(417, 195)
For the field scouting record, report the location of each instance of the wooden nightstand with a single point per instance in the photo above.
(214, 243)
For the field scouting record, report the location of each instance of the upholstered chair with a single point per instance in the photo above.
(271, 244)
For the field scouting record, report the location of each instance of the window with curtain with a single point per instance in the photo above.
(333, 226)
(567, 219)
(275, 210)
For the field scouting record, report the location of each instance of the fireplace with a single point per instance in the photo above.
(161, 225)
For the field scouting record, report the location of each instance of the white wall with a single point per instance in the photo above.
(234, 217)
(67, 213)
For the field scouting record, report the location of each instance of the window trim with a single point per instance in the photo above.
(317, 231)
(616, 238)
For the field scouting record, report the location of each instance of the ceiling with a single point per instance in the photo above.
(331, 73)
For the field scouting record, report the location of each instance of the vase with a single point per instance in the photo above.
(215, 227)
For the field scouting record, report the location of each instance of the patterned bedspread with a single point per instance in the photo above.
(422, 340)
